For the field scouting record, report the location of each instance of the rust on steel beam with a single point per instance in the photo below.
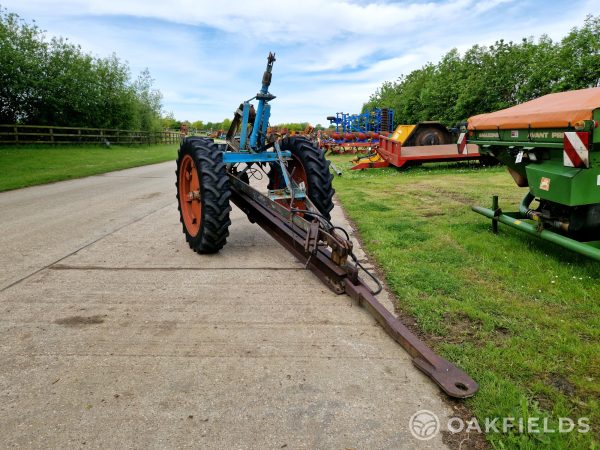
(292, 232)
(452, 380)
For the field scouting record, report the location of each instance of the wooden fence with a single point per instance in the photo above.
(38, 134)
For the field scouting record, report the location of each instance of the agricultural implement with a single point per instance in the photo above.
(356, 132)
(417, 144)
(295, 210)
(551, 145)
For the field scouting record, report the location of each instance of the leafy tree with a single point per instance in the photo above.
(486, 79)
(294, 126)
(197, 125)
(580, 54)
(53, 82)
(225, 124)
(148, 104)
(21, 60)
(169, 122)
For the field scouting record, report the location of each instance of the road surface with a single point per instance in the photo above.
(114, 334)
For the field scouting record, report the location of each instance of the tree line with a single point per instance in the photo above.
(170, 122)
(487, 79)
(53, 82)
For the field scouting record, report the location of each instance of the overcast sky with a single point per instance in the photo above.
(207, 56)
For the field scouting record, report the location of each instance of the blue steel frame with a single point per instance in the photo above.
(256, 141)
(250, 145)
(247, 157)
(251, 148)
(263, 111)
(362, 123)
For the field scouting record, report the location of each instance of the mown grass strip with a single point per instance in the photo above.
(31, 165)
(520, 315)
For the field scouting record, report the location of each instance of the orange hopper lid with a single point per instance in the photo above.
(550, 111)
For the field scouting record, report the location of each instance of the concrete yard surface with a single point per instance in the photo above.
(114, 334)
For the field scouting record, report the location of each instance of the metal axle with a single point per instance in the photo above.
(516, 220)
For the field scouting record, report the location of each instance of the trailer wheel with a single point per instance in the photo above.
(430, 134)
(309, 166)
(203, 195)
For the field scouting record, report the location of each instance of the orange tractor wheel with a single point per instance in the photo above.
(203, 195)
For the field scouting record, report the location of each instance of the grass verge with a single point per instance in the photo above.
(30, 165)
(520, 315)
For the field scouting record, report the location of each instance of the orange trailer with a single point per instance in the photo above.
(417, 144)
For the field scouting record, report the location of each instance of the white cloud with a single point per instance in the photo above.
(207, 57)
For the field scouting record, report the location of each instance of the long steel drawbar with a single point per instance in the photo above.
(323, 252)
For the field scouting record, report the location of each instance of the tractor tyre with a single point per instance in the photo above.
(309, 166)
(431, 136)
(203, 139)
(203, 195)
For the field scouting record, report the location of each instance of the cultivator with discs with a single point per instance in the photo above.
(356, 132)
(295, 210)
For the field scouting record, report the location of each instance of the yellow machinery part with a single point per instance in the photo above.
(371, 158)
(402, 133)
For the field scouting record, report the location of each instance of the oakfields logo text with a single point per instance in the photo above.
(425, 425)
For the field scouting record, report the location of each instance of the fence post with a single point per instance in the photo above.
(16, 134)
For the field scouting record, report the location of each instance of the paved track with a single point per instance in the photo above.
(114, 334)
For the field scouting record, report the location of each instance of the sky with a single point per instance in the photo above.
(206, 57)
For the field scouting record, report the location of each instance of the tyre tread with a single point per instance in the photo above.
(215, 193)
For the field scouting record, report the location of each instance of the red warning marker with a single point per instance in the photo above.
(576, 149)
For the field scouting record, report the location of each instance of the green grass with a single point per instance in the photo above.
(520, 315)
(30, 165)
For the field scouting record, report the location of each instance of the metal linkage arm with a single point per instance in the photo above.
(325, 253)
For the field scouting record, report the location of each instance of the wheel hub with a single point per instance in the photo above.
(190, 201)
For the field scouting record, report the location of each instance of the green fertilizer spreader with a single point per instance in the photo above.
(551, 145)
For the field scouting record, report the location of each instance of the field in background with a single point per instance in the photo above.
(520, 315)
(30, 165)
